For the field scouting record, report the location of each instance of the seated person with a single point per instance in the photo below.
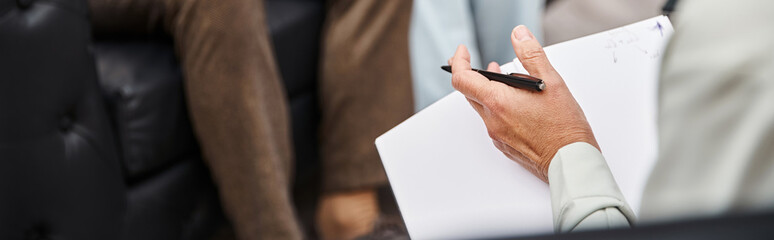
(715, 123)
(239, 110)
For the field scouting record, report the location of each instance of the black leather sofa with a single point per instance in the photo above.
(95, 142)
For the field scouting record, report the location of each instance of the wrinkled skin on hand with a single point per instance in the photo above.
(528, 127)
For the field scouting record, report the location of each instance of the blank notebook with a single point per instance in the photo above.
(450, 181)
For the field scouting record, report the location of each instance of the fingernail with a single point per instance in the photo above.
(521, 33)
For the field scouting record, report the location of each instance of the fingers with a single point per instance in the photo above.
(493, 67)
(472, 84)
(530, 53)
(461, 60)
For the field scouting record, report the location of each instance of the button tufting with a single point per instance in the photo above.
(65, 123)
(24, 3)
(125, 91)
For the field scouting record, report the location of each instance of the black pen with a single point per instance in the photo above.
(516, 80)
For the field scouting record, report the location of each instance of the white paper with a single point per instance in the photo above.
(452, 183)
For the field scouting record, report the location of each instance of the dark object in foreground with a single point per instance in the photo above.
(751, 226)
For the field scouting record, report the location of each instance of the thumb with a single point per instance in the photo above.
(493, 67)
(530, 53)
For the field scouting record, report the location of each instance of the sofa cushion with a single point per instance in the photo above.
(59, 175)
(295, 32)
(179, 204)
(143, 86)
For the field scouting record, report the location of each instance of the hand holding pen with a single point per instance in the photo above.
(530, 126)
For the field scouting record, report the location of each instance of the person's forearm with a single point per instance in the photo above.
(584, 194)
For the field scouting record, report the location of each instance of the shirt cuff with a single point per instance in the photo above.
(584, 192)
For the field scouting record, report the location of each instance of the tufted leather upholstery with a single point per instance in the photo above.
(59, 171)
(104, 149)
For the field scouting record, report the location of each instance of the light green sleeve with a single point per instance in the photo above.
(584, 195)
